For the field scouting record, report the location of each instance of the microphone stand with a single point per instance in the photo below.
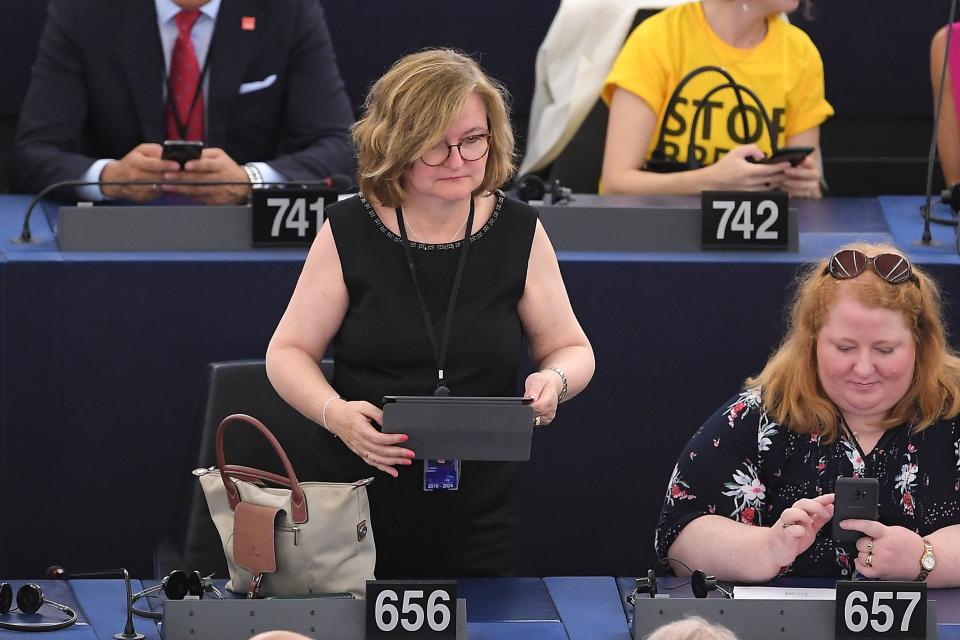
(129, 632)
(927, 238)
(26, 236)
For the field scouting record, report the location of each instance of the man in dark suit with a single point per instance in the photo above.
(269, 103)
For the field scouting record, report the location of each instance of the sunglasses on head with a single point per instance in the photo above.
(891, 267)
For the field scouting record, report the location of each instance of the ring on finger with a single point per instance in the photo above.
(869, 560)
(536, 421)
(785, 525)
(870, 545)
(368, 455)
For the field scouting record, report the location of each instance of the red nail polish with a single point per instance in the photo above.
(404, 438)
(411, 454)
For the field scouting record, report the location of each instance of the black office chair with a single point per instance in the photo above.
(233, 387)
(580, 163)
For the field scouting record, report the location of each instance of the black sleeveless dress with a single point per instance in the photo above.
(382, 349)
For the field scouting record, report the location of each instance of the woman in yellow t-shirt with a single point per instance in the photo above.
(776, 64)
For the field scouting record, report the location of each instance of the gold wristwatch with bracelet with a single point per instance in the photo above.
(928, 562)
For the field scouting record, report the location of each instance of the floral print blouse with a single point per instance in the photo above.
(743, 465)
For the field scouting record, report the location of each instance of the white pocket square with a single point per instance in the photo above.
(257, 85)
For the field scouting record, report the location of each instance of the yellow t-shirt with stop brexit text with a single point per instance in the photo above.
(785, 72)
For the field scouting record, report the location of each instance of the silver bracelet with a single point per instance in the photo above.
(323, 414)
(253, 174)
(563, 377)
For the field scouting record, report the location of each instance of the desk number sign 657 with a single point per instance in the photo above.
(867, 610)
(744, 220)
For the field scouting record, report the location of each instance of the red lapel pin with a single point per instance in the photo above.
(248, 23)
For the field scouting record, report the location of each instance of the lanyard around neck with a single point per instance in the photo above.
(439, 348)
(852, 437)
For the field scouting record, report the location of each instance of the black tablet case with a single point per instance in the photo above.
(445, 428)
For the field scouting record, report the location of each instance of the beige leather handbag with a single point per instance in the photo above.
(292, 538)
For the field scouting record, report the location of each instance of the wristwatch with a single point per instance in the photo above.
(928, 562)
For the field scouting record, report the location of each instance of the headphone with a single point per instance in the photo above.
(533, 187)
(29, 600)
(701, 583)
(177, 586)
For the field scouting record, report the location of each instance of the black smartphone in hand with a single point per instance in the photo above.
(854, 498)
(182, 151)
(793, 155)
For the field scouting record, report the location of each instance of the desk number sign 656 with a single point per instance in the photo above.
(744, 220)
(411, 610)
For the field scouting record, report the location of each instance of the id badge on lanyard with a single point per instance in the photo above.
(441, 475)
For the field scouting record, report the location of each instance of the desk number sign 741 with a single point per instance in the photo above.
(288, 217)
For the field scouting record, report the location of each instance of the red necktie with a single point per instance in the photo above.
(184, 81)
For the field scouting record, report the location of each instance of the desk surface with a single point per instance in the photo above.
(102, 360)
(557, 608)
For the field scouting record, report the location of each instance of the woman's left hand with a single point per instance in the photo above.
(888, 553)
(803, 180)
(544, 387)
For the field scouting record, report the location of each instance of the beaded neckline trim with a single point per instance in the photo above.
(434, 247)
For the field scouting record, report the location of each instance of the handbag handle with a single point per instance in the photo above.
(298, 501)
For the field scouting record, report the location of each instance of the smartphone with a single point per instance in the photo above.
(793, 155)
(854, 498)
(182, 151)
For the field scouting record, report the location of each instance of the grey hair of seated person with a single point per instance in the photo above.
(692, 628)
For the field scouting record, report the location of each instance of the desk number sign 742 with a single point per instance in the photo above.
(744, 220)
(288, 217)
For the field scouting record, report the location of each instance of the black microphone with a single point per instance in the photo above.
(336, 183)
(56, 572)
(926, 239)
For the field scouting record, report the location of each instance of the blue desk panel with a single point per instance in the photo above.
(516, 631)
(589, 607)
(507, 600)
(104, 357)
(105, 604)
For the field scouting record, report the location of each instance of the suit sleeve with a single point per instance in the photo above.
(315, 141)
(47, 143)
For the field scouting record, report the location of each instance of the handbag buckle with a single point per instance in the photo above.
(255, 586)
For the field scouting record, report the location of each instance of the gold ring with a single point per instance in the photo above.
(368, 455)
(536, 421)
(869, 560)
(870, 546)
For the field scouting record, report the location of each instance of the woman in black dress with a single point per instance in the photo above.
(863, 385)
(429, 278)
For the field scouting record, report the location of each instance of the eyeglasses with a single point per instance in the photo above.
(891, 267)
(470, 148)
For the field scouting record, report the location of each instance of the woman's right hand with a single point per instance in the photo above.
(797, 528)
(735, 172)
(353, 422)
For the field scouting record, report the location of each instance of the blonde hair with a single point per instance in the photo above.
(409, 109)
(792, 392)
(692, 628)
